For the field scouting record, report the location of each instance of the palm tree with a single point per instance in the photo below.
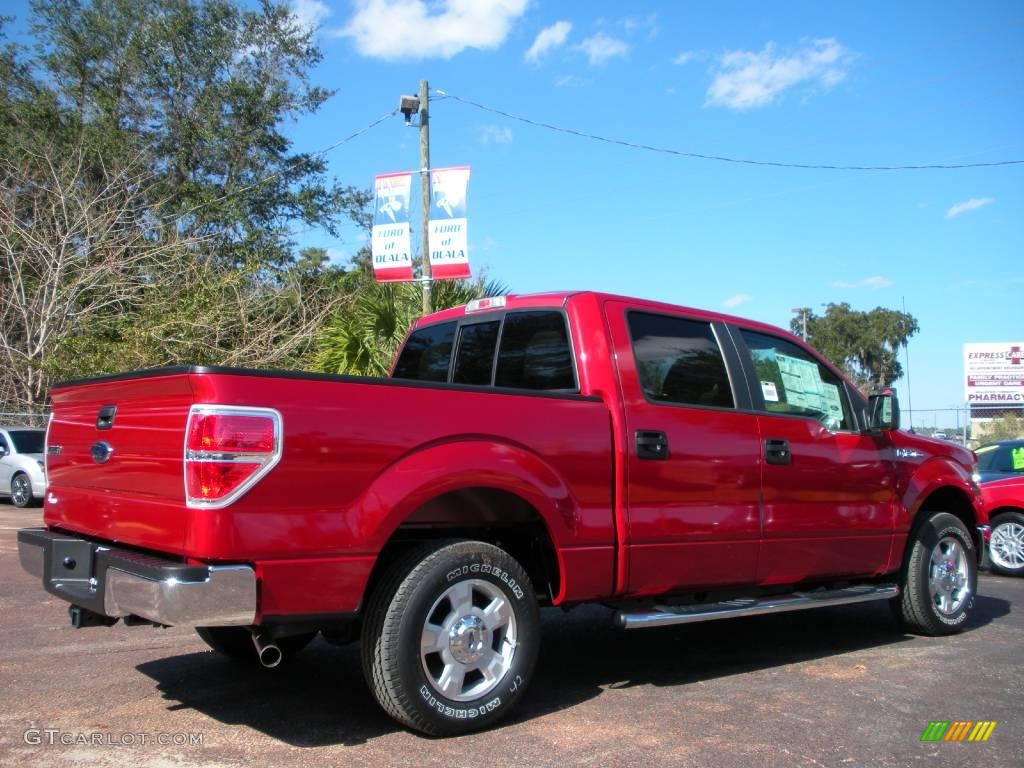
(364, 335)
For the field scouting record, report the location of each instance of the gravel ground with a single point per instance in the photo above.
(832, 687)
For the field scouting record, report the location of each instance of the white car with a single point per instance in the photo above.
(22, 475)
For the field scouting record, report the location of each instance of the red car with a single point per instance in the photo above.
(1004, 504)
(676, 464)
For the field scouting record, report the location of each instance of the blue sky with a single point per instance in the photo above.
(867, 83)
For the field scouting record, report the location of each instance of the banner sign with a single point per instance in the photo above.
(390, 242)
(994, 373)
(449, 241)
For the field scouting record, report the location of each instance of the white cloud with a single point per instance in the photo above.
(685, 57)
(969, 205)
(493, 134)
(747, 79)
(309, 14)
(600, 48)
(737, 300)
(875, 281)
(416, 29)
(570, 81)
(547, 40)
(650, 24)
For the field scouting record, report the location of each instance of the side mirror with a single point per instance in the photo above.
(883, 411)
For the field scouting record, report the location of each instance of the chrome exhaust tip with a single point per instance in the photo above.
(268, 652)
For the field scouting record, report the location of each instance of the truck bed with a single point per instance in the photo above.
(358, 457)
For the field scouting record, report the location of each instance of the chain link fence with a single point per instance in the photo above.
(967, 425)
(11, 419)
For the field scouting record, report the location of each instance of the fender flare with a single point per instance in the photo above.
(461, 462)
(934, 475)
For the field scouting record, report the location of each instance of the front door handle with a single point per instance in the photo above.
(651, 445)
(777, 451)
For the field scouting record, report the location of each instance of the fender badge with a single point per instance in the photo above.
(908, 453)
(101, 452)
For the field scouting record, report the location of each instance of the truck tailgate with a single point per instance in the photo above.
(115, 460)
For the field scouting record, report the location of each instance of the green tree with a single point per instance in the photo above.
(364, 334)
(864, 344)
(1009, 426)
(201, 90)
(148, 192)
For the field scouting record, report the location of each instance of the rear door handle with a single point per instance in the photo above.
(777, 451)
(652, 446)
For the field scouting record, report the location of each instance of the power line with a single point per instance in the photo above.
(722, 158)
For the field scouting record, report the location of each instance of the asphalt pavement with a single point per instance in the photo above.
(831, 687)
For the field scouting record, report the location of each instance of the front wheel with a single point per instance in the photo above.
(21, 491)
(940, 577)
(450, 637)
(1006, 547)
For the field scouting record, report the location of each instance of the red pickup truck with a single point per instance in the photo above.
(675, 464)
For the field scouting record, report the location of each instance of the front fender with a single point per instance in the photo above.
(927, 478)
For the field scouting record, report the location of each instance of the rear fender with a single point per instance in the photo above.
(434, 470)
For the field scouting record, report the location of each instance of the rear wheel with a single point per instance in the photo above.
(1006, 546)
(21, 491)
(940, 577)
(236, 643)
(450, 637)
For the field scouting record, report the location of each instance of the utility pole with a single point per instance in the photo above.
(906, 351)
(425, 191)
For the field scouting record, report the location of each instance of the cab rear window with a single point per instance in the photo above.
(519, 350)
(427, 354)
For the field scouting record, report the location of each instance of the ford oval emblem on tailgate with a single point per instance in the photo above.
(101, 452)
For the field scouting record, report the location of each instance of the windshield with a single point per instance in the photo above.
(27, 440)
(1001, 458)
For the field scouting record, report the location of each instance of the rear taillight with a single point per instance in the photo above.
(227, 450)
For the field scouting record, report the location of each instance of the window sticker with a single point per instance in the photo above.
(805, 389)
(1017, 458)
(833, 406)
(771, 393)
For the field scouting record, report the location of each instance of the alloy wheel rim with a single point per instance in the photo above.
(1006, 547)
(19, 490)
(948, 576)
(469, 640)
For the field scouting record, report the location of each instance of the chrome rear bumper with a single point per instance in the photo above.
(119, 582)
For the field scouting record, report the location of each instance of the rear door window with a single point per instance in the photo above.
(679, 361)
(794, 382)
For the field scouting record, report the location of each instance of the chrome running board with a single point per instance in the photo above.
(664, 616)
